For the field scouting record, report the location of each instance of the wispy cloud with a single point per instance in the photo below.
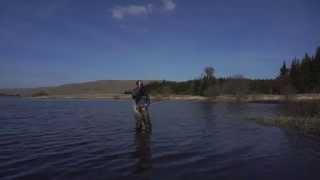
(120, 12)
(169, 5)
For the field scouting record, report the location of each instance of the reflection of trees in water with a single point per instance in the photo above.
(143, 154)
(306, 109)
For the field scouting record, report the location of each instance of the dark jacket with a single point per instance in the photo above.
(140, 96)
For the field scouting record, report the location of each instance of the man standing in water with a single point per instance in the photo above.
(141, 104)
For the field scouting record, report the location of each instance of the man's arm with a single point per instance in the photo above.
(134, 93)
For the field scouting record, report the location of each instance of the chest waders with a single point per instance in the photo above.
(142, 117)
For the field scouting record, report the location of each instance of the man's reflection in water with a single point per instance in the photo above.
(143, 154)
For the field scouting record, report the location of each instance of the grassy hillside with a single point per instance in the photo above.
(92, 87)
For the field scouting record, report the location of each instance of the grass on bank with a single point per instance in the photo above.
(308, 125)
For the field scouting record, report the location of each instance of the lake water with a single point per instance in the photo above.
(56, 139)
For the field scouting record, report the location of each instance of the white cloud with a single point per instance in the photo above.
(169, 5)
(150, 8)
(120, 12)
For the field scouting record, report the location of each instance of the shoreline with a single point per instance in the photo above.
(263, 98)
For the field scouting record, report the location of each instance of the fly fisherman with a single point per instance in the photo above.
(141, 104)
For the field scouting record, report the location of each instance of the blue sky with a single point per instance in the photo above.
(46, 42)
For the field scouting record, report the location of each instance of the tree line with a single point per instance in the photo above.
(303, 76)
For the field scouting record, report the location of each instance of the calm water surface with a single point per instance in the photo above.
(57, 139)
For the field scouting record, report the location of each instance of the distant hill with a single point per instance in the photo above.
(92, 87)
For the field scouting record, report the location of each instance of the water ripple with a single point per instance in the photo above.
(97, 140)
